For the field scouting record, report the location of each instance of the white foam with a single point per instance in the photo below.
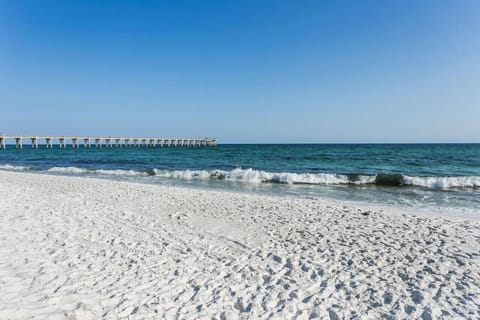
(443, 182)
(183, 174)
(119, 172)
(13, 168)
(73, 170)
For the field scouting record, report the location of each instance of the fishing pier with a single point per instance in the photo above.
(106, 142)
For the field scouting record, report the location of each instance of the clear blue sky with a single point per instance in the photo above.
(243, 71)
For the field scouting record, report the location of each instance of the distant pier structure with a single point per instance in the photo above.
(105, 142)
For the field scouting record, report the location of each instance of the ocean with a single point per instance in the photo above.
(440, 178)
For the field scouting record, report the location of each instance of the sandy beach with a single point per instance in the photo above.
(81, 248)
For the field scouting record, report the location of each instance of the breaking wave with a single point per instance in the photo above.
(13, 168)
(443, 182)
(74, 170)
(259, 176)
(116, 172)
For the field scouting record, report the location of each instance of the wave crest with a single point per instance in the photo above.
(116, 172)
(258, 176)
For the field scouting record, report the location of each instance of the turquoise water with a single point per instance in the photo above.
(438, 177)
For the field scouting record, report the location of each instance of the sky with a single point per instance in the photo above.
(243, 71)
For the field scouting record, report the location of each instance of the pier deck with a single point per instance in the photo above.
(107, 142)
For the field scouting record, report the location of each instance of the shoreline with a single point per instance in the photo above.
(87, 247)
(128, 175)
(429, 212)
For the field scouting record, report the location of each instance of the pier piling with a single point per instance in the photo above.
(18, 143)
(74, 143)
(48, 143)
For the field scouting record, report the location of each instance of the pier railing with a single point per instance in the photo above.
(107, 142)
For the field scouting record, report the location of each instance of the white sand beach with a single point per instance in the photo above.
(81, 248)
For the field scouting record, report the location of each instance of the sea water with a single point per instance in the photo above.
(444, 178)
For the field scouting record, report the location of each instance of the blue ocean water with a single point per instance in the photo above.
(444, 178)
